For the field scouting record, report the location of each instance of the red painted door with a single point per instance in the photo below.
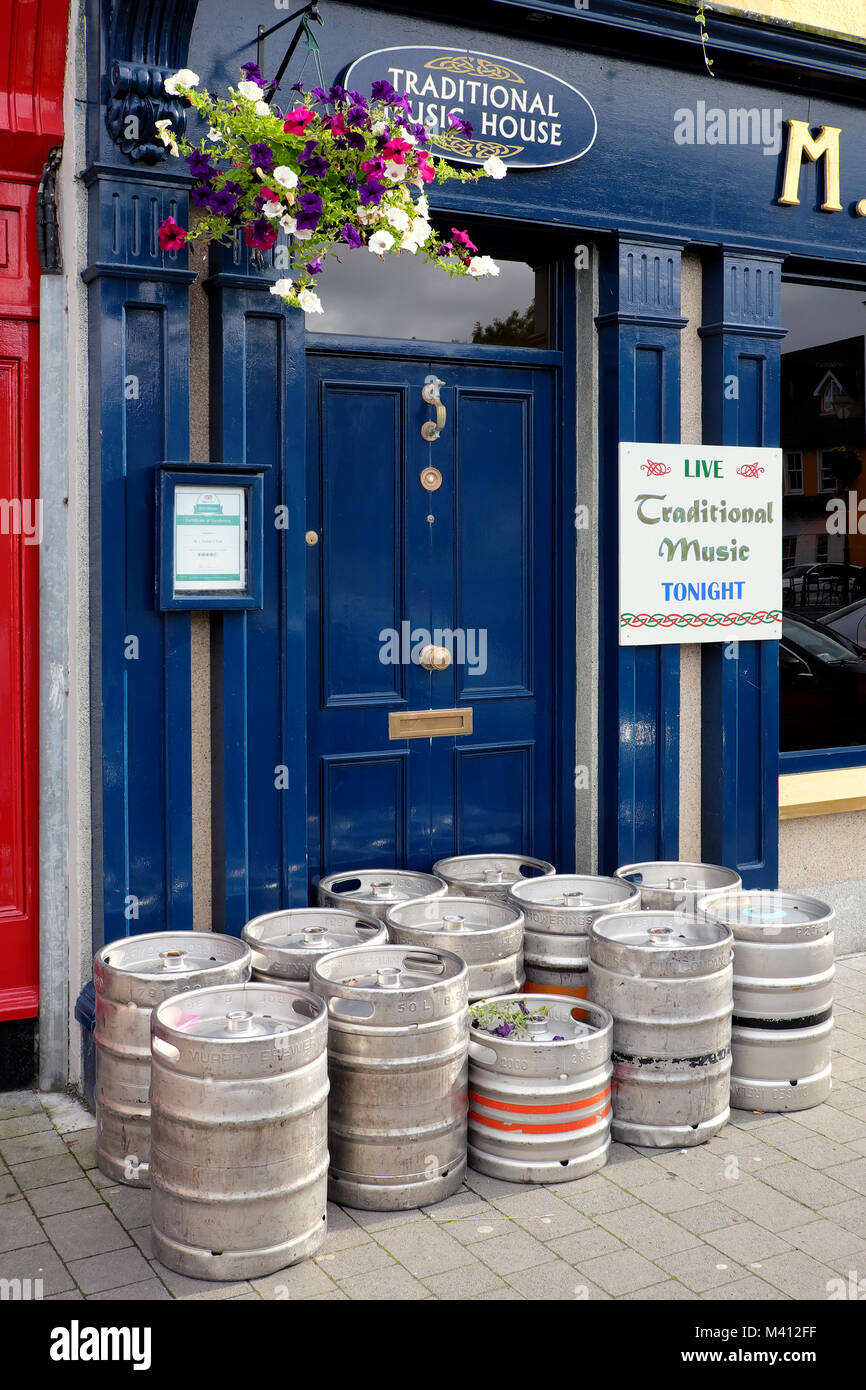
(20, 532)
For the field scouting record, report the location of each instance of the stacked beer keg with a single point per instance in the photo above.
(371, 1046)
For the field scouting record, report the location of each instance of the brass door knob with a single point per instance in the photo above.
(434, 658)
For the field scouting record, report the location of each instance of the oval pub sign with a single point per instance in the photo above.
(527, 117)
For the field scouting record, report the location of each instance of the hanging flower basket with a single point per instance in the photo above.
(335, 173)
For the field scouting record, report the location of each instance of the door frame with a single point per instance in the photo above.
(561, 358)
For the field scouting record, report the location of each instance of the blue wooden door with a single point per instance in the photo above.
(469, 565)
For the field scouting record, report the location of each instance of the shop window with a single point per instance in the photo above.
(822, 654)
(409, 299)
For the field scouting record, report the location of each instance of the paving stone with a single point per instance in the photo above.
(72, 1296)
(555, 1281)
(385, 1285)
(713, 1216)
(784, 1133)
(806, 1185)
(584, 1245)
(45, 1172)
(37, 1262)
(148, 1291)
(835, 1124)
(63, 1196)
(672, 1194)
(100, 1179)
(18, 1226)
(850, 1215)
(625, 1271)
(466, 1282)
(91, 1231)
(846, 1097)
(797, 1275)
(485, 1187)
(747, 1242)
(705, 1171)
(749, 1290)
(15, 1103)
(859, 1145)
(343, 1238)
(358, 1260)
(592, 1201)
(847, 1069)
(329, 1297)
(828, 1241)
(299, 1281)
(541, 1213)
(473, 1229)
(67, 1113)
(26, 1147)
(628, 1170)
(131, 1205)
(424, 1248)
(750, 1120)
(702, 1269)
(183, 1287)
(463, 1203)
(851, 1174)
(646, 1231)
(143, 1237)
(31, 1124)
(766, 1206)
(506, 1295)
(339, 1220)
(83, 1145)
(9, 1189)
(668, 1292)
(517, 1250)
(373, 1221)
(111, 1270)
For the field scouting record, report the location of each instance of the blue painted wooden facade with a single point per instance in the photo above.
(645, 197)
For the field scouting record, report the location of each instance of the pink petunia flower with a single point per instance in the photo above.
(297, 121)
(171, 235)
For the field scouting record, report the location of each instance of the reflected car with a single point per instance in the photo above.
(822, 687)
(822, 585)
(849, 622)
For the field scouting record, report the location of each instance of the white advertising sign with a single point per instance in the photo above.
(700, 544)
(209, 541)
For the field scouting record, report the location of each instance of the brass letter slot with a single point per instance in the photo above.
(430, 723)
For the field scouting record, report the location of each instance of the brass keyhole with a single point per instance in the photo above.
(431, 479)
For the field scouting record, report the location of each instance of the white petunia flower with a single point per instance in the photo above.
(285, 176)
(262, 108)
(482, 265)
(395, 172)
(397, 218)
(283, 288)
(251, 90)
(380, 128)
(166, 135)
(213, 134)
(310, 302)
(185, 77)
(368, 216)
(422, 206)
(380, 242)
(272, 209)
(495, 167)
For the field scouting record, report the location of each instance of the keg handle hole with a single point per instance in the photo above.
(792, 1083)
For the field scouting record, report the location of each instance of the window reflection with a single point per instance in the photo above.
(823, 438)
(406, 298)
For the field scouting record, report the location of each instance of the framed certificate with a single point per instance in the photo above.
(209, 538)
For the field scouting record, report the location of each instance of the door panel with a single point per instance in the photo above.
(468, 566)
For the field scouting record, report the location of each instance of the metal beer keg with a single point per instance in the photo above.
(372, 891)
(240, 1153)
(558, 913)
(131, 976)
(784, 965)
(487, 935)
(667, 885)
(666, 977)
(397, 1044)
(285, 944)
(539, 1103)
(489, 875)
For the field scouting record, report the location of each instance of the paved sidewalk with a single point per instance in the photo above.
(774, 1207)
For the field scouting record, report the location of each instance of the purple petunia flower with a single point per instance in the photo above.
(559, 1038)
(445, 249)
(316, 167)
(355, 140)
(262, 156)
(422, 134)
(464, 127)
(308, 150)
(314, 267)
(504, 1029)
(223, 202)
(337, 93)
(351, 236)
(309, 211)
(383, 91)
(253, 73)
(201, 195)
(201, 166)
(358, 99)
(374, 166)
(318, 93)
(297, 86)
(522, 1007)
(371, 192)
(356, 115)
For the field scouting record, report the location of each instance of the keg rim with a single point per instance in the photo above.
(516, 892)
(735, 883)
(438, 886)
(168, 941)
(821, 921)
(391, 951)
(442, 867)
(251, 930)
(170, 1031)
(454, 904)
(604, 930)
(568, 1002)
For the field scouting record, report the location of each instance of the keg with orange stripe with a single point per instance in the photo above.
(539, 1103)
(559, 911)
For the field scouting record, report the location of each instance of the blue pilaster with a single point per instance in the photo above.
(259, 657)
(639, 326)
(741, 335)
